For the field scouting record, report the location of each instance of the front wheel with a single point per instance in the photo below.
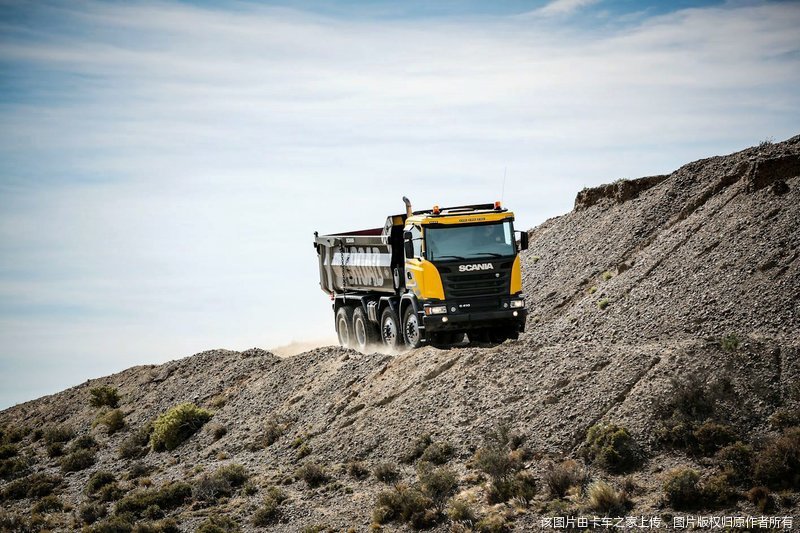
(411, 328)
(344, 321)
(391, 334)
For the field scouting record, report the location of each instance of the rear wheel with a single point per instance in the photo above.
(365, 333)
(344, 326)
(411, 331)
(390, 331)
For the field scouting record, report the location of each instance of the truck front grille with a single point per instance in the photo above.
(459, 285)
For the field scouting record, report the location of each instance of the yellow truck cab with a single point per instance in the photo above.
(427, 276)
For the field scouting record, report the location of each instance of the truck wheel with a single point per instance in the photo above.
(478, 335)
(411, 332)
(391, 334)
(365, 334)
(344, 325)
(498, 336)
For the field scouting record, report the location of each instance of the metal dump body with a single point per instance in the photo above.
(356, 261)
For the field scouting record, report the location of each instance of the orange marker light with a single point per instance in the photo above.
(436, 210)
(497, 205)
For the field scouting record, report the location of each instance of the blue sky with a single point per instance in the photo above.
(163, 165)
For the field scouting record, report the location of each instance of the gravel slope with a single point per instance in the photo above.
(676, 262)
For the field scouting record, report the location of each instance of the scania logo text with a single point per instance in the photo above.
(477, 266)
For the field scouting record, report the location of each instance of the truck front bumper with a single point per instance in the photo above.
(476, 320)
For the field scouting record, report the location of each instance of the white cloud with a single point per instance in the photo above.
(159, 197)
(564, 7)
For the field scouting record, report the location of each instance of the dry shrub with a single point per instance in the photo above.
(777, 465)
(605, 499)
(386, 472)
(560, 478)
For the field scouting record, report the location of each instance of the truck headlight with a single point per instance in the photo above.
(436, 310)
(517, 303)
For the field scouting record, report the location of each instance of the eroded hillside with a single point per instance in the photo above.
(667, 307)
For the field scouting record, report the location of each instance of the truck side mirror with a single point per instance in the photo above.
(523, 240)
(408, 244)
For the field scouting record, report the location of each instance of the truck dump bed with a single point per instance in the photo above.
(360, 261)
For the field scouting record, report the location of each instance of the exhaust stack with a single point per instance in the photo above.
(408, 206)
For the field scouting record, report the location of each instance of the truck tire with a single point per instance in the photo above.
(478, 336)
(411, 331)
(344, 326)
(390, 331)
(365, 333)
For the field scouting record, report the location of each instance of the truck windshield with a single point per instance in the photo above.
(469, 242)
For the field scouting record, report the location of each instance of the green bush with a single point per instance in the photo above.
(605, 499)
(682, 489)
(562, 477)
(777, 465)
(522, 485)
(405, 504)
(84, 442)
(691, 399)
(711, 436)
(274, 429)
(729, 342)
(221, 483)
(611, 448)
(136, 445)
(717, 491)
(11, 434)
(162, 526)
(110, 493)
(15, 467)
(113, 420)
(7, 451)
(602, 303)
(33, 486)
(268, 513)
(56, 449)
(91, 512)
(218, 524)
(386, 472)
(785, 417)
(459, 510)
(78, 460)
(437, 483)
(98, 480)
(58, 434)
(114, 524)
(418, 447)
(497, 462)
(217, 431)
(48, 504)
(167, 497)
(357, 470)
(176, 425)
(437, 453)
(104, 396)
(313, 474)
(736, 461)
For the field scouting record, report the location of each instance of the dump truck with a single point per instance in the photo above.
(431, 276)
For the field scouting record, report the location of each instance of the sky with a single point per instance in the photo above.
(163, 165)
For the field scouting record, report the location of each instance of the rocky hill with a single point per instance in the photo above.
(659, 377)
